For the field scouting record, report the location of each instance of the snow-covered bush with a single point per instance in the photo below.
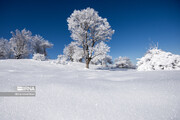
(123, 62)
(156, 59)
(62, 59)
(39, 57)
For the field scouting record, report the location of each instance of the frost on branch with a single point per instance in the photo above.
(123, 62)
(4, 49)
(39, 57)
(88, 29)
(156, 59)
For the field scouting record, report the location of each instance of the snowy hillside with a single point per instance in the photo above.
(70, 92)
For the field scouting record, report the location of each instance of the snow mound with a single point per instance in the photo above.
(157, 59)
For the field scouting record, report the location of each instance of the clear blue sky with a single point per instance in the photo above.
(137, 23)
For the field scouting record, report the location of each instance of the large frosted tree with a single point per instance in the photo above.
(21, 43)
(88, 29)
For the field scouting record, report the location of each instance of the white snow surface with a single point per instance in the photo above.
(70, 92)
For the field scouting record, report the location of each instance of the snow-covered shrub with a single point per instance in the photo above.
(123, 62)
(39, 57)
(156, 59)
(62, 59)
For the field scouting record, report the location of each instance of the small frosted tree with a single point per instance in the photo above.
(4, 49)
(40, 45)
(123, 62)
(36, 44)
(21, 43)
(70, 50)
(100, 54)
(62, 59)
(78, 54)
(88, 29)
(73, 52)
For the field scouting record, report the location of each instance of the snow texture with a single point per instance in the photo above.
(70, 92)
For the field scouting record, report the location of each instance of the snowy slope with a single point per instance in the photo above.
(70, 92)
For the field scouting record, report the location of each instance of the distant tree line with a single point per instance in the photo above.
(22, 44)
(89, 31)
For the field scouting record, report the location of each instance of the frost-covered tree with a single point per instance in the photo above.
(36, 44)
(73, 52)
(4, 49)
(123, 62)
(70, 50)
(100, 54)
(62, 59)
(157, 59)
(88, 29)
(21, 43)
(40, 45)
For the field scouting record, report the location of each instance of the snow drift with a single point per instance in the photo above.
(157, 59)
(70, 92)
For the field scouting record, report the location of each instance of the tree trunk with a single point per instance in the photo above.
(87, 63)
(17, 56)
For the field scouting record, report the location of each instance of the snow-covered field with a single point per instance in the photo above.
(70, 92)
